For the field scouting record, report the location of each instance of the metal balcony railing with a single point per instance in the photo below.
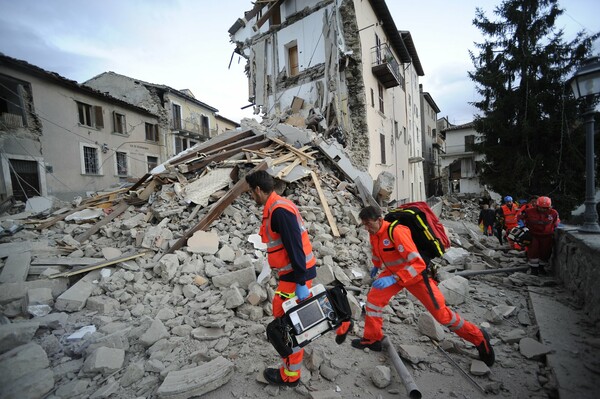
(385, 67)
(192, 129)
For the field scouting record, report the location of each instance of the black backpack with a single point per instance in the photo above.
(428, 243)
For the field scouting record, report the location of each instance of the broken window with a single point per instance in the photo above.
(121, 158)
(382, 145)
(152, 162)
(469, 143)
(12, 105)
(380, 88)
(182, 144)
(275, 17)
(176, 116)
(293, 60)
(205, 125)
(91, 162)
(152, 132)
(90, 115)
(119, 123)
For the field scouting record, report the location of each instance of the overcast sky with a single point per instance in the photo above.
(185, 44)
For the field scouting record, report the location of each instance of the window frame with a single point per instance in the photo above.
(469, 142)
(96, 148)
(293, 67)
(126, 155)
(177, 117)
(12, 93)
(149, 164)
(92, 117)
(119, 120)
(154, 132)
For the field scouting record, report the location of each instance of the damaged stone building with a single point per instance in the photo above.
(63, 139)
(345, 70)
(186, 121)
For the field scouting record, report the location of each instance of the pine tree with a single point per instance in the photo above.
(532, 136)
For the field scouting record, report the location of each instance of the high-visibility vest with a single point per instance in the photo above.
(510, 216)
(276, 253)
(541, 223)
(400, 255)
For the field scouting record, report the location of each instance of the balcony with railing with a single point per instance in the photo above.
(385, 66)
(192, 129)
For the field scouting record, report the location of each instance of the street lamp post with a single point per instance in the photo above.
(586, 83)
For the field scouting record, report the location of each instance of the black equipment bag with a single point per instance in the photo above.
(428, 243)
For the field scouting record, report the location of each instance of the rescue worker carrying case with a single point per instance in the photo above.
(306, 321)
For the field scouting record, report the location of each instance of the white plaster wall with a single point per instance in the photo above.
(394, 110)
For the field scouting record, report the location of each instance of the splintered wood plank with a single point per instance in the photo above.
(292, 148)
(286, 171)
(330, 218)
(119, 209)
(217, 208)
(100, 265)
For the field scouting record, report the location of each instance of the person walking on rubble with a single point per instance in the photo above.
(289, 251)
(499, 223)
(510, 212)
(487, 217)
(402, 267)
(541, 221)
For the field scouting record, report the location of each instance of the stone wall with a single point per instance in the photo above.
(577, 264)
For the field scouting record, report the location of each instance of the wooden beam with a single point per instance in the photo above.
(292, 148)
(330, 218)
(98, 265)
(217, 208)
(220, 157)
(58, 218)
(117, 210)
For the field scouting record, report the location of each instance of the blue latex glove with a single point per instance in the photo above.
(374, 271)
(302, 292)
(521, 223)
(384, 282)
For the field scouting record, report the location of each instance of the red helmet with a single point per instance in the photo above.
(544, 202)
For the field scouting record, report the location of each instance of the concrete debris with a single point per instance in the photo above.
(175, 321)
(532, 349)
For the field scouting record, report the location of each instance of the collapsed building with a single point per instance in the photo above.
(184, 311)
(343, 69)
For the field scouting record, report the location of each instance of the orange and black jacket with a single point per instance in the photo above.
(289, 250)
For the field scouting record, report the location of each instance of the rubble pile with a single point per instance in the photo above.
(464, 207)
(162, 294)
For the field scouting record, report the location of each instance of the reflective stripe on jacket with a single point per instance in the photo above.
(276, 253)
(401, 256)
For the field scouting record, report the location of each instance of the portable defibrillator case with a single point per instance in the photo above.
(305, 321)
(312, 317)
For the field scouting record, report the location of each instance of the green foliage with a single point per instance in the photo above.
(533, 137)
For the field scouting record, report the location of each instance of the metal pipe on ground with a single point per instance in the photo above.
(407, 380)
(467, 273)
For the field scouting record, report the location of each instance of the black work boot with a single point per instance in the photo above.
(363, 343)
(486, 352)
(342, 331)
(273, 377)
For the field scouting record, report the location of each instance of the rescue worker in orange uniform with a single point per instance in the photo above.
(541, 221)
(510, 212)
(402, 267)
(289, 251)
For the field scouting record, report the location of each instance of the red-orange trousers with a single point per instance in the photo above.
(377, 300)
(290, 371)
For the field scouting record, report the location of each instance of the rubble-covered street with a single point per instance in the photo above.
(157, 291)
